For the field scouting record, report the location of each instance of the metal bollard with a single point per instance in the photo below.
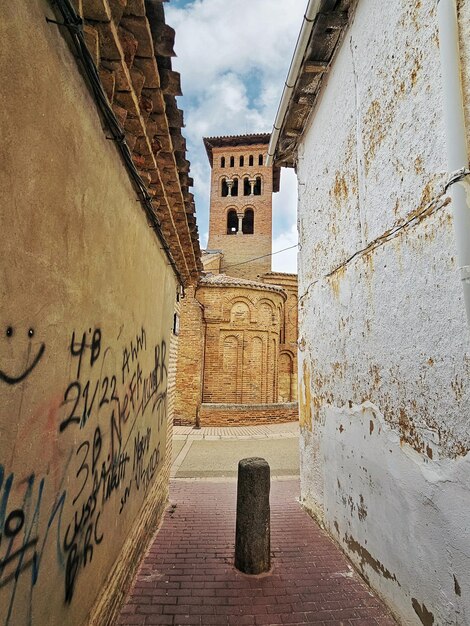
(252, 536)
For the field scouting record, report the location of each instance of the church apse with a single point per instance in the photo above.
(246, 315)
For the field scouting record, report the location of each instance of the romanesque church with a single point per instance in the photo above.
(237, 362)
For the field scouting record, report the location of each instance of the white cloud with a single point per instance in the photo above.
(224, 105)
(233, 58)
(216, 35)
(285, 201)
(285, 223)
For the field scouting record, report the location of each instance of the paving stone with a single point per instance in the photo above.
(310, 582)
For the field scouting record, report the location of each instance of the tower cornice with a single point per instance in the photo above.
(229, 141)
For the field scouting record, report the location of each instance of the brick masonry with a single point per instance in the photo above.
(248, 415)
(241, 342)
(188, 577)
(287, 364)
(231, 350)
(239, 325)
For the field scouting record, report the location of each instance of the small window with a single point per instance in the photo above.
(248, 222)
(242, 161)
(232, 222)
(246, 187)
(235, 187)
(232, 161)
(222, 162)
(257, 189)
(250, 160)
(224, 189)
(260, 159)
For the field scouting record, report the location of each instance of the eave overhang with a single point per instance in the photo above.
(127, 47)
(323, 30)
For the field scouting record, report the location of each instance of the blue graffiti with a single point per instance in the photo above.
(19, 530)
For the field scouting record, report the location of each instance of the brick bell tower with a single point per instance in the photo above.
(240, 224)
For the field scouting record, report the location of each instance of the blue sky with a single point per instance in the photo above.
(233, 57)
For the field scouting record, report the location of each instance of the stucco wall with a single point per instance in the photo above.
(384, 346)
(86, 317)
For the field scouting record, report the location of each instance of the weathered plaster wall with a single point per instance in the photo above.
(384, 346)
(85, 337)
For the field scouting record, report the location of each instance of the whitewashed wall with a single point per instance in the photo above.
(384, 345)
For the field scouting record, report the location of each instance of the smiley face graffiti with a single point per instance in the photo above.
(13, 380)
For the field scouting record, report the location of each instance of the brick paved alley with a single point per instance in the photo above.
(187, 576)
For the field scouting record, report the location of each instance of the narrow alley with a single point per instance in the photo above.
(188, 576)
(234, 231)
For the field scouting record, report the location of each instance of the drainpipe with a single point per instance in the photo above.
(299, 53)
(456, 136)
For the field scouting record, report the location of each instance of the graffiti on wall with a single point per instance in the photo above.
(15, 378)
(109, 424)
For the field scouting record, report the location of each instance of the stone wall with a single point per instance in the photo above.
(86, 346)
(384, 343)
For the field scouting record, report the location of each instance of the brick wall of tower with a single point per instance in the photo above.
(248, 415)
(239, 248)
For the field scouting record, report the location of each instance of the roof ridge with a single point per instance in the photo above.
(234, 281)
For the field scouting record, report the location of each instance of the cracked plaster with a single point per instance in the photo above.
(384, 345)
